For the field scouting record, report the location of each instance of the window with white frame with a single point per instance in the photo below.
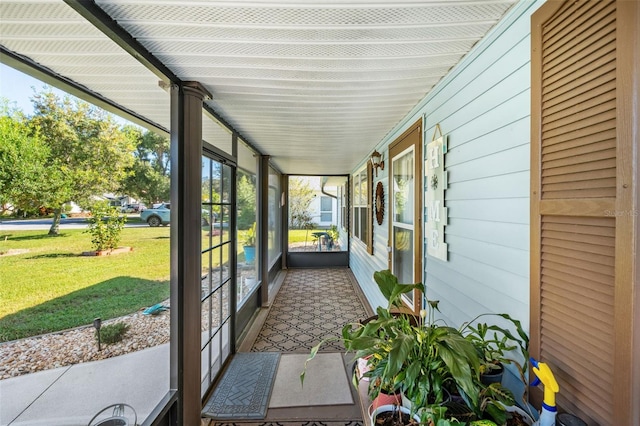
(326, 209)
(362, 220)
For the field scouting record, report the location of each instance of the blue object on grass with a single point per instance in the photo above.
(155, 309)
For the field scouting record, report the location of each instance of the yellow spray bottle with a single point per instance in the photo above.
(549, 410)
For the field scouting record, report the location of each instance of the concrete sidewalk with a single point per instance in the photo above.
(70, 396)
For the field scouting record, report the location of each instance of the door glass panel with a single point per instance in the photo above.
(216, 242)
(403, 219)
(403, 183)
(403, 255)
(247, 236)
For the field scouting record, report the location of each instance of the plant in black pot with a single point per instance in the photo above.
(494, 343)
(498, 346)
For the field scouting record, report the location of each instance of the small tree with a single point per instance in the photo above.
(300, 197)
(105, 226)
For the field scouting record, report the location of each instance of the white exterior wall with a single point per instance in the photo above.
(483, 106)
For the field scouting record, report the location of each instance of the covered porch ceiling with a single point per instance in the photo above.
(314, 84)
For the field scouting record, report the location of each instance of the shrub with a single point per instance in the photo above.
(105, 226)
(113, 333)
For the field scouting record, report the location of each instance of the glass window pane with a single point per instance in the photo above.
(403, 256)
(356, 222)
(326, 204)
(403, 187)
(363, 188)
(274, 232)
(364, 230)
(225, 186)
(326, 217)
(356, 190)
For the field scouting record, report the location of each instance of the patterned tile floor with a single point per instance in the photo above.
(312, 304)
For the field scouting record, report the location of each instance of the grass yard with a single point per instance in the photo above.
(301, 235)
(52, 288)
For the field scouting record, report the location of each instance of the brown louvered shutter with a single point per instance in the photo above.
(582, 207)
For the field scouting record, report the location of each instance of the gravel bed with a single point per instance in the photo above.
(79, 345)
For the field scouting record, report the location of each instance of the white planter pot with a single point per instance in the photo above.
(385, 408)
(405, 402)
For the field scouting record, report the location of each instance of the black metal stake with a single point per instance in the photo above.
(97, 323)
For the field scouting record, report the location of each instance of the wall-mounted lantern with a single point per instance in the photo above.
(377, 162)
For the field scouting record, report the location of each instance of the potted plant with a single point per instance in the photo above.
(422, 357)
(495, 346)
(249, 244)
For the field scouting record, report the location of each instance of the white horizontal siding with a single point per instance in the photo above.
(483, 106)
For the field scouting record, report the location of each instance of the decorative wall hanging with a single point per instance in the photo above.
(379, 203)
(436, 183)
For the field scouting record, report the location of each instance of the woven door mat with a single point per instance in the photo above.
(245, 387)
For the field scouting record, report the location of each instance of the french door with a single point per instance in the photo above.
(217, 290)
(405, 204)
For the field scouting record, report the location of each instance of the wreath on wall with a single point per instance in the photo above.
(379, 203)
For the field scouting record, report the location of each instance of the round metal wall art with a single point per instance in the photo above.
(379, 203)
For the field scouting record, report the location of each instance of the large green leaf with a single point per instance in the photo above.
(461, 372)
(400, 348)
(391, 289)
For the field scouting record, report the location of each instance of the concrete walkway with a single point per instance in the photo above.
(72, 395)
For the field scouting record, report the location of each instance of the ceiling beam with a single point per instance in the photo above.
(48, 76)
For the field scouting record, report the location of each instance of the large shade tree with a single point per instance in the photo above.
(87, 147)
(148, 176)
(24, 171)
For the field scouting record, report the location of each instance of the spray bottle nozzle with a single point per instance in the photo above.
(535, 381)
(545, 376)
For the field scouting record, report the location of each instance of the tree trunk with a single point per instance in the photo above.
(56, 221)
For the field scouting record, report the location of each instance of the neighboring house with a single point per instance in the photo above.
(324, 206)
(119, 200)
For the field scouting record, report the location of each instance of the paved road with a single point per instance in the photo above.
(45, 224)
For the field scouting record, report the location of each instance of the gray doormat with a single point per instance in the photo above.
(245, 387)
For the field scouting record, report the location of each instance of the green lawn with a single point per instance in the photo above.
(301, 235)
(52, 288)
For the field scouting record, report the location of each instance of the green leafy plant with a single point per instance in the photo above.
(494, 342)
(423, 358)
(113, 333)
(495, 345)
(333, 232)
(250, 236)
(105, 226)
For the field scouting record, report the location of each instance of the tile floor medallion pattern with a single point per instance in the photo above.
(245, 387)
(312, 304)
